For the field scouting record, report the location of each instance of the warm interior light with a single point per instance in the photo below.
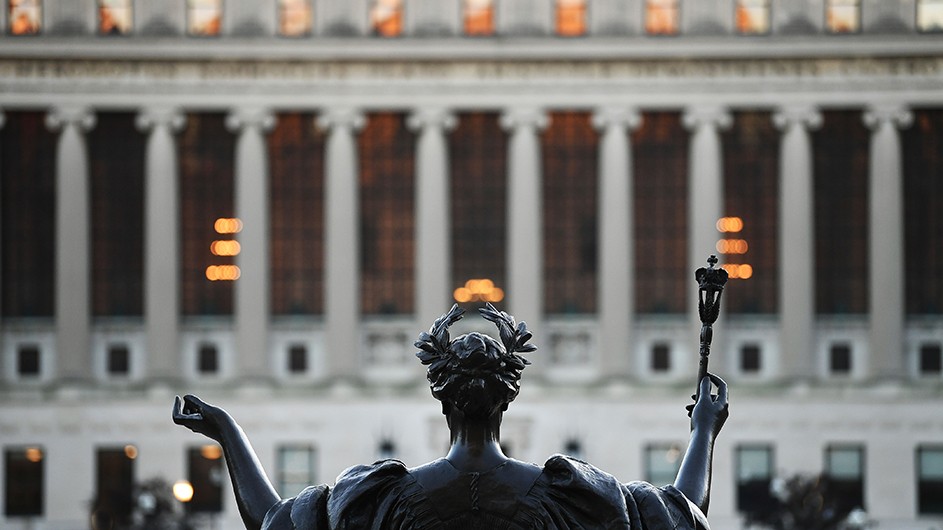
(130, 451)
(34, 454)
(729, 224)
(211, 452)
(228, 225)
(737, 271)
(732, 246)
(183, 490)
(225, 247)
(478, 290)
(223, 273)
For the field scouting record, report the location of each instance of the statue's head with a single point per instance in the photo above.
(475, 373)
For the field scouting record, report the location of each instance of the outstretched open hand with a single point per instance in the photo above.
(711, 412)
(199, 416)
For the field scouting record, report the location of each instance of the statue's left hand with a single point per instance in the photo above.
(200, 417)
(711, 412)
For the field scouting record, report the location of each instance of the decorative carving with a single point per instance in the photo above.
(805, 116)
(347, 117)
(521, 117)
(695, 118)
(431, 117)
(153, 117)
(78, 116)
(256, 117)
(895, 114)
(624, 118)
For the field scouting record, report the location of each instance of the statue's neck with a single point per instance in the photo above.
(476, 444)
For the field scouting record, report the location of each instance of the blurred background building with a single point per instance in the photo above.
(264, 202)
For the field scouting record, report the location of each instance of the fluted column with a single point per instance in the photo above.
(705, 204)
(341, 260)
(796, 241)
(886, 240)
(73, 244)
(252, 288)
(615, 285)
(433, 222)
(162, 247)
(525, 222)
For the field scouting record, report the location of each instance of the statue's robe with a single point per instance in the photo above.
(564, 494)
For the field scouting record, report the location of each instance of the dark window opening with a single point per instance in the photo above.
(119, 359)
(114, 484)
(297, 359)
(922, 159)
(845, 474)
(750, 358)
(387, 448)
(754, 474)
(931, 359)
(205, 472)
(661, 358)
(28, 360)
(573, 447)
(930, 480)
(839, 356)
(207, 359)
(23, 482)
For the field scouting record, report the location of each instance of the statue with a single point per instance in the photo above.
(475, 485)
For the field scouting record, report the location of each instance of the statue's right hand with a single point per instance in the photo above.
(199, 416)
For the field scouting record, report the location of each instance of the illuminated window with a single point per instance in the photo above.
(570, 154)
(930, 15)
(571, 18)
(930, 480)
(296, 194)
(660, 156)
(23, 481)
(840, 164)
(478, 17)
(478, 167)
(295, 469)
(662, 17)
(114, 486)
(844, 469)
(25, 17)
(752, 17)
(751, 194)
(386, 18)
(205, 473)
(294, 17)
(116, 164)
(27, 201)
(662, 462)
(922, 144)
(387, 218)
(843, 16)
(754, 474)
(204, 17)
(206, 154)
(114, 17)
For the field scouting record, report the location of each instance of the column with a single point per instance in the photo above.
(433, 219)
(341, 262)
(3, 120)
(73, 244)
(161, 248)
(886, 240)
(251, 197)
(796, 241)
(525, 222)
(705, 207)
(616, 286)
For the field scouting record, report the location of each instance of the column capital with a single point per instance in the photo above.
(806, 116)
(899, 116)
(626, 118)
(240, 118)
(152, 117)
(707, 115)
(524, 117)
(431, 117)
(60, 117)
(342, 117)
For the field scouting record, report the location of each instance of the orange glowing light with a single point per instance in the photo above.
(571, 18)
(478, 290)
(225, 247)
(729, 224)
(183, 490)
(211, 452)
(736, 271)
(732, 246)
(228, 225)
(223, 273)
(34, 454)
(130, 451)
(479, 17)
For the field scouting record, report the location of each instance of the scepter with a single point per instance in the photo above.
(710, 286)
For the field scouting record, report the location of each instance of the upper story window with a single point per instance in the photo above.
(114, 17)
(843, 16)
(571, 18)
(661, 17)
(294, 18)
(386, 18)
(930, 15)
(204, 17)
(25, 17)
(752, 17)
(478, 17)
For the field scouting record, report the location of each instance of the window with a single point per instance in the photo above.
(478, 17)
(23, 481)
(922, 144)
(930, 480)
(660, 156)
(386, 449)
(839, 359)
(571, 18)
(754, 474)
(662, 462)
(750, 358)
(114, 17)
(752, 17)
(931, 359)
(207, 361)
(294, 18)
(25, 17)
(386, 18)
(119, 359)
(661, 17)
(661, 357)
(28, 361)
(296, 194)
(843, 16)
(570, 155)
(27, 200)
(844, 468)
(204, 17)
(295, 469)
(297, 359)
(205, 473)
(114, 486)
(478, 199)
(387, 217)
(930, 15)
(573, 447)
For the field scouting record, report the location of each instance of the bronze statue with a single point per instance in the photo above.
(475, 486)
